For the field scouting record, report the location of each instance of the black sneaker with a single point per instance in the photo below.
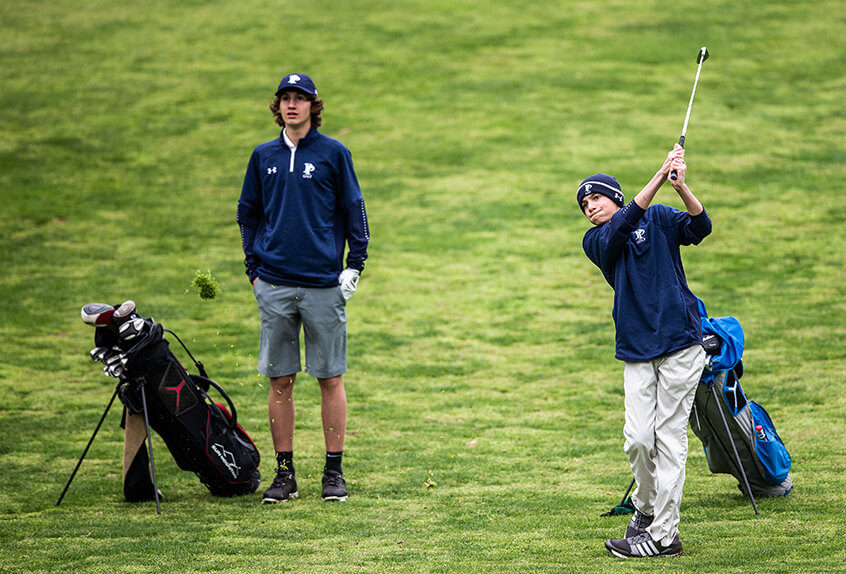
(642, 546)
(638, 524)
(282, 489)
(334, 486)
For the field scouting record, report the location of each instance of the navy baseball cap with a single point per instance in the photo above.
(603, 184)
(299, 82)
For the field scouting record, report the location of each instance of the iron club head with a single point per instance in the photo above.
(703, 55)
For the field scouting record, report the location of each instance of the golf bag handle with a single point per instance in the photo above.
(196, 362)
(207, 382)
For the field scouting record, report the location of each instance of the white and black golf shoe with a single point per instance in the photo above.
(643, 546)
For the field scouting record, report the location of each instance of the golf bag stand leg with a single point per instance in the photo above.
(628, 490)
(150, 448)
(733, 447)
(85, 452)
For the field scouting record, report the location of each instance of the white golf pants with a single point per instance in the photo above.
(659, 396)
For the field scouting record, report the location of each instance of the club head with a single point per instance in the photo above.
(131, 329)
(97, 353)
(124, 313)
(703, 55)
(97, 314)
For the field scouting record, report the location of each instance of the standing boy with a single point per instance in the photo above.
(300, 206)
(658, 338)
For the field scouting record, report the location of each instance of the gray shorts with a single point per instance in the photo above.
(322, 312)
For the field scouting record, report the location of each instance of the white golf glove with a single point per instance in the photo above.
(349, 281)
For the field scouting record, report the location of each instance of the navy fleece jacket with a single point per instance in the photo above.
(299, 209)
(655, 313)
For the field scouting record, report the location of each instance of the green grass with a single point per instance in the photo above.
(485, 406)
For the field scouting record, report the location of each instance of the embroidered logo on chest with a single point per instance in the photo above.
(309, 168)
(271, 170)
(639, 235)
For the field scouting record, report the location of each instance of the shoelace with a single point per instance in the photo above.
(641, 520)
(333, 479)
(281, 479)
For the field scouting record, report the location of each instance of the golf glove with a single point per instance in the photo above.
(349, 281)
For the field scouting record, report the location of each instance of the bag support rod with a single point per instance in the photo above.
(733, 447)
(150, 448)
(85, 452)
(628, 490)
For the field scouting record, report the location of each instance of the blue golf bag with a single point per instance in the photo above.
(738, 435)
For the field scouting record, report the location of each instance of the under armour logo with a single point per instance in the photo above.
(294, 79)
(307, 171)
(271, 170)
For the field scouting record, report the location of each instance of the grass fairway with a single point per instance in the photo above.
(485, 406)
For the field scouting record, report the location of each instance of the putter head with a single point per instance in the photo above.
(703, 55)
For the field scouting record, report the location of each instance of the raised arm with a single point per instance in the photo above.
(693, 205)
(647, 194)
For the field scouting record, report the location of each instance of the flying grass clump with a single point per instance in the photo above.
(206, 285)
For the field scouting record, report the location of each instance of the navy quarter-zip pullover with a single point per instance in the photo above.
(299, 208)
(655, 313)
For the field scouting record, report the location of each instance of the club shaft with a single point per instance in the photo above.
(628, 490)
(703, 54)
(690, 103)
(150, 449)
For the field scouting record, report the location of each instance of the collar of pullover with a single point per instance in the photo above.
(312, 133)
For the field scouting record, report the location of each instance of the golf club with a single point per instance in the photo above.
(97, 314)
(700, 57)
(124, 313)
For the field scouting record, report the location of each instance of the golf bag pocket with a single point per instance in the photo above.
(174, 393)
(771, 450)
(233, 454)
